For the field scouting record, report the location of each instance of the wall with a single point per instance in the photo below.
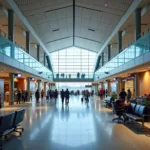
(144, 83)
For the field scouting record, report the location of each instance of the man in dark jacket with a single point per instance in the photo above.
(37, 95)
(55, 95)
(62, 96)
(123, 95)
(18, 97)
(67, 93)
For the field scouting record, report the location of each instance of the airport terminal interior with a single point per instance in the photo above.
(74, 74)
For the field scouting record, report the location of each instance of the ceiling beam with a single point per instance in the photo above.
(97, 10)
(74, 39)
(58, 39)
(130, 10)
(74, 22)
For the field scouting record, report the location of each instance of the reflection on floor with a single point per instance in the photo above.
(77, 126)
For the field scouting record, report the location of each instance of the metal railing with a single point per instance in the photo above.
(135, 50)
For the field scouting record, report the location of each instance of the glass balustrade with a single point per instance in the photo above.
(135, 50)
(6, 47)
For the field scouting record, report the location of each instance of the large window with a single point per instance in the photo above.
(73, 63)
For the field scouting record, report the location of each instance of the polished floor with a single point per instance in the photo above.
(76, 127)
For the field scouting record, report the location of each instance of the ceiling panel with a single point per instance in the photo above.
(53, 21)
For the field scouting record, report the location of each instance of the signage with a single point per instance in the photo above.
(88, 86)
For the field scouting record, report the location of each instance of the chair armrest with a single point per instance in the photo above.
(146, 115)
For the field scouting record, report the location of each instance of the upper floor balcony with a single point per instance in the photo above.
(7, 48)
(128, 56)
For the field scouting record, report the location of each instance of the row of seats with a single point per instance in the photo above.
(137, 113)
(10, 123)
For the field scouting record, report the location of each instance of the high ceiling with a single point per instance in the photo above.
(58, 27)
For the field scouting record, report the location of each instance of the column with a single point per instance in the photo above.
(44, 59)
(108, 82)
(38, 52)
(28, 42)
(136, 85)
(45, 83)
(119, 87)
(109, 52)
(119, 41)
(137, 23)
(28, 84)
(11, 89)
(102, 58)
(11, 29)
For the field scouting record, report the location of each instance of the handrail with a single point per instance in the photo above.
(123, 57)
(32, 62)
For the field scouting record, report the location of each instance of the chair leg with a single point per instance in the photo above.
(20, 133)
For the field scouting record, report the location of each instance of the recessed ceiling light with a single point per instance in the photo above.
(106, 5)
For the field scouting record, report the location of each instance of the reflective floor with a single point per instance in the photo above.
(77, 126)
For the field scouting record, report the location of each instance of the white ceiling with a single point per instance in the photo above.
(48, 15)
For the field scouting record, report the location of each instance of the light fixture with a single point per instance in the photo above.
(91, 30)
(55, 30)
(106, 5)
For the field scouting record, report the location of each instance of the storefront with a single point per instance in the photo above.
(113, 86)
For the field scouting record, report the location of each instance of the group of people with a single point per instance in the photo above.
(65, 95)
(123, 95)
(22, 96)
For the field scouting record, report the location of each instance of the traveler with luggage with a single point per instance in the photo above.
(67, 94)
(62, 96)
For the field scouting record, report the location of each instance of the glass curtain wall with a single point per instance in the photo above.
(73, 86)
(73, 63)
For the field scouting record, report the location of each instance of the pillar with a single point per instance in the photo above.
(109, 87)
(11, 89)
(44, 59)
(11, 25)
(119, 86)
(119, 41)
(109, 52)
(28, 84)
(137, 23)
(102, 58)
(11, 30)
(38, 52)
(28, 42)
(136, 85)
(45, 83)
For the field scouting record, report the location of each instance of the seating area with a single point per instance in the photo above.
(11, 123)
(137, 113)
(108, 101)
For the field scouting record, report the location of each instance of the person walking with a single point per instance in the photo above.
(18, 97)
(87, 94)
(67, 93)
(101, 92)
(37, 95)
(26, 96)
(62, 96)
(55, 95)
(42, 94)
(50, 94)
(123, 95)
(47, 95)
(23, 96)
(129, 94)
